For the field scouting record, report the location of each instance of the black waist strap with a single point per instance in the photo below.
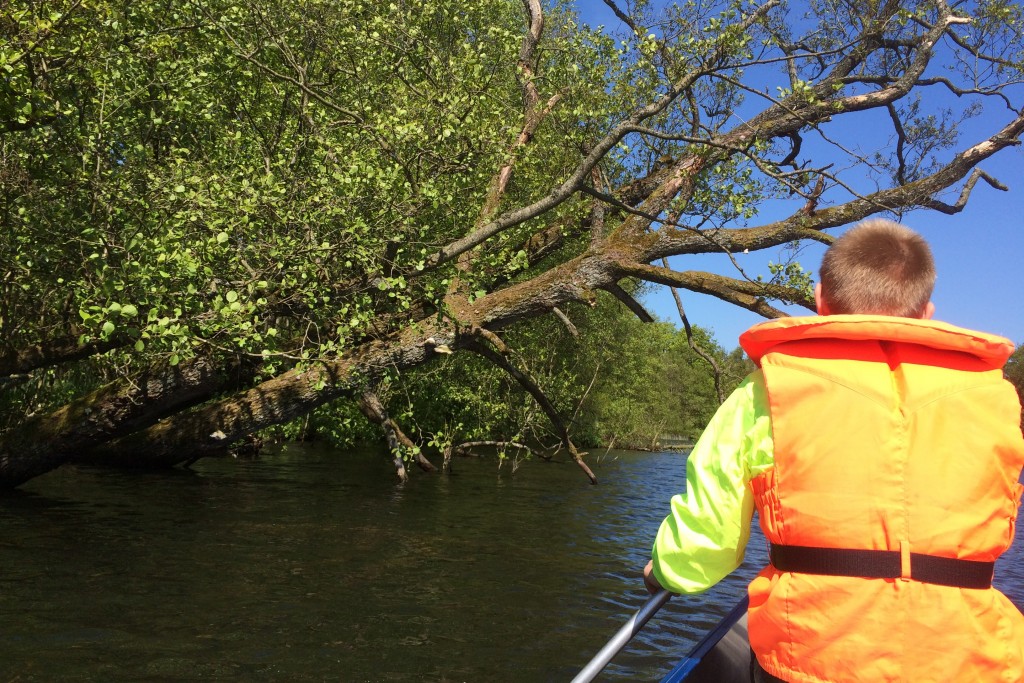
(881, 564)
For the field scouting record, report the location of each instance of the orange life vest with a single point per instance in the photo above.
(890, 434)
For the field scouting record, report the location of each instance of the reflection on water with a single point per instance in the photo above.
(312, 565)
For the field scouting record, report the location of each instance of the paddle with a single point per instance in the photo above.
(623, 636)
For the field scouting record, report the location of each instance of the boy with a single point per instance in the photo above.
(882, 452)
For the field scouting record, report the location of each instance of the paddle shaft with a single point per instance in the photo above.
(623, 636)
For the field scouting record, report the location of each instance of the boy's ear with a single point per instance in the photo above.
(929, 311)
(819, 302)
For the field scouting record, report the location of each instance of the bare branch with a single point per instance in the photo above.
(565, 321)
(922, 192)
(491, 338)
(959, 40)
(465, 448)
(951, 209)
(742, 293)
(708, 358)
(533, 113)
(901, 141)
(629, 302)
(531, 387)
(372, 407)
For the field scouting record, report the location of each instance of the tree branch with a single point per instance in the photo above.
(629, 302)
(46, 441)
(371, 406)
(465, 448)
(743, 293)
(951, 209)
(708, 358)
(528, 383)
(51, 353)
(565, 321)
(582, 172)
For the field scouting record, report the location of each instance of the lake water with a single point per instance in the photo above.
(311, 564)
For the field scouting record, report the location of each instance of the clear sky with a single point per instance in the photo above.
(979, 252)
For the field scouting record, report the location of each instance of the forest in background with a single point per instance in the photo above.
(219, 217)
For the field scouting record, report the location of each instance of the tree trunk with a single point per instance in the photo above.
(44, 442)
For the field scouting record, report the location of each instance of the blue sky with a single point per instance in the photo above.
(979, 252)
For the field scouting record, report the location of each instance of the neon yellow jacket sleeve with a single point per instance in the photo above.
(705, 535)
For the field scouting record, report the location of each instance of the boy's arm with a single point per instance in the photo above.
(705, 534)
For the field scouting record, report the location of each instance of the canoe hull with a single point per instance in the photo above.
(722, 656)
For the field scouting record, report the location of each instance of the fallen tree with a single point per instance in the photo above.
(327, 193)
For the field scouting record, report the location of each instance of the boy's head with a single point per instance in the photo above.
(878, 267)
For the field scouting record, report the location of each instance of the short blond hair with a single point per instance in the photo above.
(878, 267)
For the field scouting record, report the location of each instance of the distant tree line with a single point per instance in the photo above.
(1014, 372)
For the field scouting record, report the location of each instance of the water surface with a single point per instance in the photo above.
(311, 564)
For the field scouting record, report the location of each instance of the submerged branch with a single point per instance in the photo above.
(374, 410)
(465, 448)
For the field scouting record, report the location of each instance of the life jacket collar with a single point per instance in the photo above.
(991, 349)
